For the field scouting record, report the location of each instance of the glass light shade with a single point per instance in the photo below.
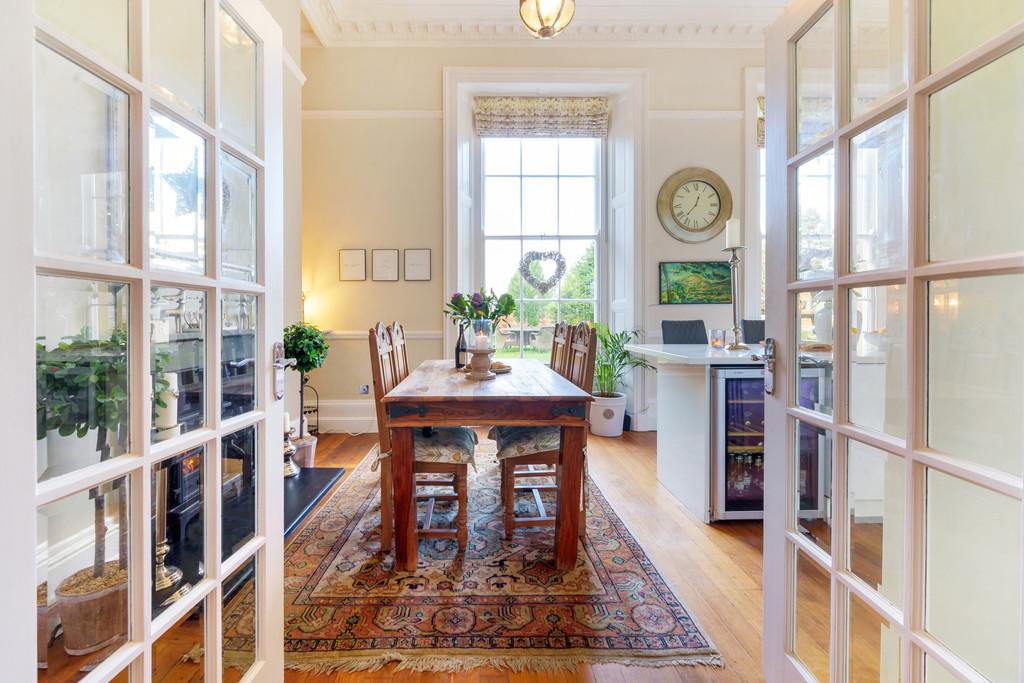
(546, 18)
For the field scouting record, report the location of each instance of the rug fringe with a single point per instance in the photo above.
(517, 663)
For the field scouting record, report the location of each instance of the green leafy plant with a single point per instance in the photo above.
(613, 360)
(306, 344)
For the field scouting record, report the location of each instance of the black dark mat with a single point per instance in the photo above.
(302, 493)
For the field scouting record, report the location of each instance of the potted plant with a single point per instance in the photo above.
(608, 412)
(81, 388)
(306, 344)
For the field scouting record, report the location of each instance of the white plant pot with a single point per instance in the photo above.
(607, 414)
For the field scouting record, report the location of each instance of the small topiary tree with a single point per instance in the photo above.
(306, 344)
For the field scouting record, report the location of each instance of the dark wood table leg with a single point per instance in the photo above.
(570, 488)
(406, 549)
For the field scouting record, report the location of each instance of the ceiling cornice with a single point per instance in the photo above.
(436, 26)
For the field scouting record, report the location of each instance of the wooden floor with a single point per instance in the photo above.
(715, 570)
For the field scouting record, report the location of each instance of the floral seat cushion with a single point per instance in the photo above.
(516, 441)
(452, 445)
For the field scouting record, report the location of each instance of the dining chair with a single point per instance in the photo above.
(533, 452)
(560, 348)
(444, 450)
(753, 331)
(683, 332)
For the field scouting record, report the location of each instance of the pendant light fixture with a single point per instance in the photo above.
(546, 18)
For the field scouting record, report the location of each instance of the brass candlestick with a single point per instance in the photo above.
(737, 334)
(291, 468)
(165, 576)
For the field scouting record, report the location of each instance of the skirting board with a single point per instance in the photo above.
(359, 417)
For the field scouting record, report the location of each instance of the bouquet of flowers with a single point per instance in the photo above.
(463, 308)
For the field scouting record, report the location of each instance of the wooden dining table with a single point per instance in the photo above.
(436, 394)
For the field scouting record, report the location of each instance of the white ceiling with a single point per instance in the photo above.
(697, 23)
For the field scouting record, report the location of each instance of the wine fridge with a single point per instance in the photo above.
(737, 448)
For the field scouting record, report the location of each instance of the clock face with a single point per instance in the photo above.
(696, 205)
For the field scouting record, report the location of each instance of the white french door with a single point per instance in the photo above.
(142, 191)
(895, 272)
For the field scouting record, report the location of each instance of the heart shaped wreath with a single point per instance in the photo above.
(530, 257)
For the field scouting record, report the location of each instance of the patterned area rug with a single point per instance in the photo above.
(500, 604)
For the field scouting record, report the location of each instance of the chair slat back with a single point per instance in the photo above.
(385, 378)
(582, 352)
(560, 349)
(400, 353)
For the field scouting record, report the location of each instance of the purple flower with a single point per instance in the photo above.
(478, 300)
(456, 298)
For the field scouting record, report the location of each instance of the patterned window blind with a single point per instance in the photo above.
(541, 117)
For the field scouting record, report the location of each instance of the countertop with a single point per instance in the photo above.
(698, 354)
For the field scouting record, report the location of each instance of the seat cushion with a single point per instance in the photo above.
(516, 441)
(453, 445)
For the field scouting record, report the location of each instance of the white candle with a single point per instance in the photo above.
(481, 341)
(287, 422)
(733, 234)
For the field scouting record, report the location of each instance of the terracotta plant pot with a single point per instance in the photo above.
(46, 622)
(305, 451)
(95, 619)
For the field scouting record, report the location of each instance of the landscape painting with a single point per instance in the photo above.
(695, 282)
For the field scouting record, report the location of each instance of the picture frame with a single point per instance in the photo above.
(351, 265)
(417, 265)
(694, 282)
(385, 265)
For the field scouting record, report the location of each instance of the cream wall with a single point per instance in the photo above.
(372, 162)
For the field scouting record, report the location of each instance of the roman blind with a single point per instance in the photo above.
(541, 117)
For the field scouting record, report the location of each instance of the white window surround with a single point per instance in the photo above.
(621, 295)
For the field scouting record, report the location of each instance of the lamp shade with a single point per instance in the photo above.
(546, 18)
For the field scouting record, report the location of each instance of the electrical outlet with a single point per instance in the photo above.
(364, 388)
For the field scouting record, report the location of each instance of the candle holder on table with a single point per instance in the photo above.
(737, 334)
(481, 347)
(291, 468)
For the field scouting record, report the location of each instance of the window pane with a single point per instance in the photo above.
(81, 162)
(815, 104)
(82, 373)
(539, 319)
(974, 193)
(502, 272)
(973, 574)
(580, 281)
(100, 24)
(814, 484)
(178, 654)
(540, 156)
(877, 509)
(540, 206)
(177, 196)
(238, 354)
(958, 26)
(178, 535)
(873, 654)
(815, 350)
(501, 156)
(238, 219)
(85, 591)
(543, 270)
(577, 206)
(238, 482)
(178, 336)
(878, 51)
(178, 51)
(239, 623)
(975, 388)
(813, 614)
(815, 228)
(501, 206)
(878, 359)
(878, 196)
(238, 87)
(934, 673)
(577, 156)
(575, 312)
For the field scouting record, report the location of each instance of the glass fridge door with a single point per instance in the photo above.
(744, 444)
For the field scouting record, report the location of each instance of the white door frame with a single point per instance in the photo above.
(19, 264)
(782, 410)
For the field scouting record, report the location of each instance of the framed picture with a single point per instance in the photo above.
(351, 264)
(417, 265)
(385, 265)
(694, 282)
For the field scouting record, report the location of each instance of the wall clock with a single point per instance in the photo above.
(694, 204)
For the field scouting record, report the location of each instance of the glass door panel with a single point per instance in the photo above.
(878, 51)
(177, 360)
(876, 494)
(178, 51)
(812, 616)
(238, 81)
(877, 359)
(177, 196)
(238, 354)
(958, 26)
(874, 649)
(815, 192)
(815, 87)
(238, 224)
(178, 527)
(101, 25)
(878, 196)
